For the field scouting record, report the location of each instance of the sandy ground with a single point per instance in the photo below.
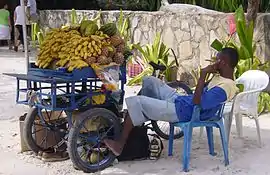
(245, 156)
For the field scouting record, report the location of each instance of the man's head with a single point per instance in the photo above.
(227, 58)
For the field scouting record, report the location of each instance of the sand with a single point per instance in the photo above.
(245, 155)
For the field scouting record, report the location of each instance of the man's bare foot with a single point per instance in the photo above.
(114, 146)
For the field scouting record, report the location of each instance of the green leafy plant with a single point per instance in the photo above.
(123, 25)
(168, 73)
(264, 103)
(246, 50)
(156, 52)
(74, 17)
(37, 34)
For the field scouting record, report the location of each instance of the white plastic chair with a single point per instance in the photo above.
(246, 102)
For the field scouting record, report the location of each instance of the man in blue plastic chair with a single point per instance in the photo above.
(160, 102)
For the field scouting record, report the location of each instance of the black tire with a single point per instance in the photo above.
(86, 165)
(156, 124)
(29, 122)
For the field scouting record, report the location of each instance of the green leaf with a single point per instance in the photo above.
(120, 20)
(242, 67)
(217, 45)
(124, 27)
(243, 53)
(138, 47)
(156, 44)
(40, 37)
(250, 33)
(173, 63)
(74, 18)
(83, 18)
(137, 79)
(162, 62)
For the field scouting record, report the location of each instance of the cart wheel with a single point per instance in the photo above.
(162, 128)
(41, 136)
(85, 147)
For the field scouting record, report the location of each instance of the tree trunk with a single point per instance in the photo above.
(252, 10)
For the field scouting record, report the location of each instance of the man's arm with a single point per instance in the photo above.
(15, 15)
(199, 88)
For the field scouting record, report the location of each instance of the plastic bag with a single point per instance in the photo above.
(109, 75)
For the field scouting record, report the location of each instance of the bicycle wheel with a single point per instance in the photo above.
(162, 128)
(48, 135)
(85, 147)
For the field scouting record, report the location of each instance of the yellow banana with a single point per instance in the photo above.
(79, 47)
(96, 48)
(93, 42)
(76, 52)
(96, 38)
(92, 50)
(82, 53)
(99, 52)
(85, 49)
(85, 43)
(89, 45)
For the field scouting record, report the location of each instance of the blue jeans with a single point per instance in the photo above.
(156, 102)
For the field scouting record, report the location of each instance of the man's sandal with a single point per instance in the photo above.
(155, 147)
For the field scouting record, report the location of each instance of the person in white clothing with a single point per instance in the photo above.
(19, 19)
(32, 4)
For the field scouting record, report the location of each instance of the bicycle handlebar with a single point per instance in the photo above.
(175, 58)
(162, 67)
(157, 66)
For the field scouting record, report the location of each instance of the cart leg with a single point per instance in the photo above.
(69, 118)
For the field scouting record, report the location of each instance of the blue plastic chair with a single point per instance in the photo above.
(187, 128)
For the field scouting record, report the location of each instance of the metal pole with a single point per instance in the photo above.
(25, 37)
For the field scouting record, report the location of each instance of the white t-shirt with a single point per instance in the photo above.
(33, 6)
(20, 17)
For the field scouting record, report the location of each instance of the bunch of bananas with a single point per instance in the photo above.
(67, 48)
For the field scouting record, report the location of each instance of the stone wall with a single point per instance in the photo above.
(189, 34)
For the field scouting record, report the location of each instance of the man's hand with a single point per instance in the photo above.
(199, 88)
(210, 69)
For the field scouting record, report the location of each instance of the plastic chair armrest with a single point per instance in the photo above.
(241, 94)
(237, 98)
(196, 113)
(250, 92)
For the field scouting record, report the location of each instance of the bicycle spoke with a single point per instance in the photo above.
(46, 144)
(60, 115)
(105, 134)
(37, 131)
(42, 141)
(55, 137)
(48, 115)
(38, 124)
(85, 128)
